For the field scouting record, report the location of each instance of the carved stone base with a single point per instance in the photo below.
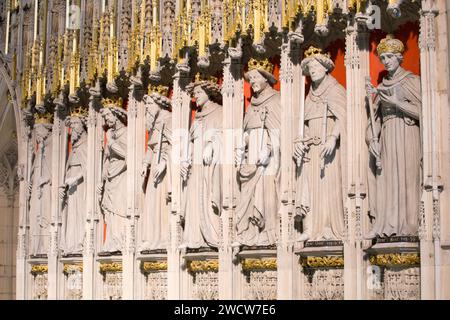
(112, 279)
(203, 268)
(155, 273)
(260, 273)
(39, 274)
(73, 278)
(324, 284)
(395, 271)
(323, 270)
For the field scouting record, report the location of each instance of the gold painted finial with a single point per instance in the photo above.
(391, 45)
(265, 65)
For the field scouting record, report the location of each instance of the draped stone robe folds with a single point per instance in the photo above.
(40, 215)
(394, 191)
(320, 193)
(74, 207)
(114, 200)
(203, 192)
(258, 206)
(155, 217)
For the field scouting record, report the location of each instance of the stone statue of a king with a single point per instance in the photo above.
(394, 144)
(320, 152)
(258, 160)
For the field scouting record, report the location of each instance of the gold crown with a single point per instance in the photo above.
(45, 118)
(390, 44)
(199, 77)
(314, 51)
(112, 102)
(264, 65)
(79, 112)
(162, 90)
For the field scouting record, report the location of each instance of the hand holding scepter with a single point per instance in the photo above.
(370, 89)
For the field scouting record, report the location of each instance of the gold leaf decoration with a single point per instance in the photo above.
(259, 264)
(39, 269)
(203, 266)
(151, 266)
(111, 267)
(322, 262)
(70, 268)
(395, 259)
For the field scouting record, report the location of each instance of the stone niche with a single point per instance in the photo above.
(394, 270)
(73, 279)
(154, 269)
(39, 274)
(322, 270)
(203, 275)
(259, 268)
(111, 271)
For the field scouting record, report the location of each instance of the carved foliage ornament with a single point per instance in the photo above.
(259, 264)
(322, 262)
(72, 268)
(112, 267)
(203, 266)
(39, 269)
(396, 260)
(152, 266)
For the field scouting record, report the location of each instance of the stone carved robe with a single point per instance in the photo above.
(203, 194)
(319, 193)
(394, 191)
(258, 206)
(155, 217)
(74, 209)
(40, 198)
(114, 199)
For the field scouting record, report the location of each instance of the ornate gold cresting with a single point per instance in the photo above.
(395, 260)
(259, 264)
(203, 266)
(153, 266)
(322, 262)
(111, 267)
(39, 269)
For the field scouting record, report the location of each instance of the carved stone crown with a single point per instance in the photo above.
(265, 65)
(162, 90)
(199, 77)
(314, 51)
(79, 112)
(391, 45)
(112, 103)
(45, 118)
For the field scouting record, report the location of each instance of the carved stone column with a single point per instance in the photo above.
(94, 144)
(233, 108)
(26, 150)
(180, 123)
(128, 254)
(429, 215)
(290, 78)
(59, 151)
(357, 68)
